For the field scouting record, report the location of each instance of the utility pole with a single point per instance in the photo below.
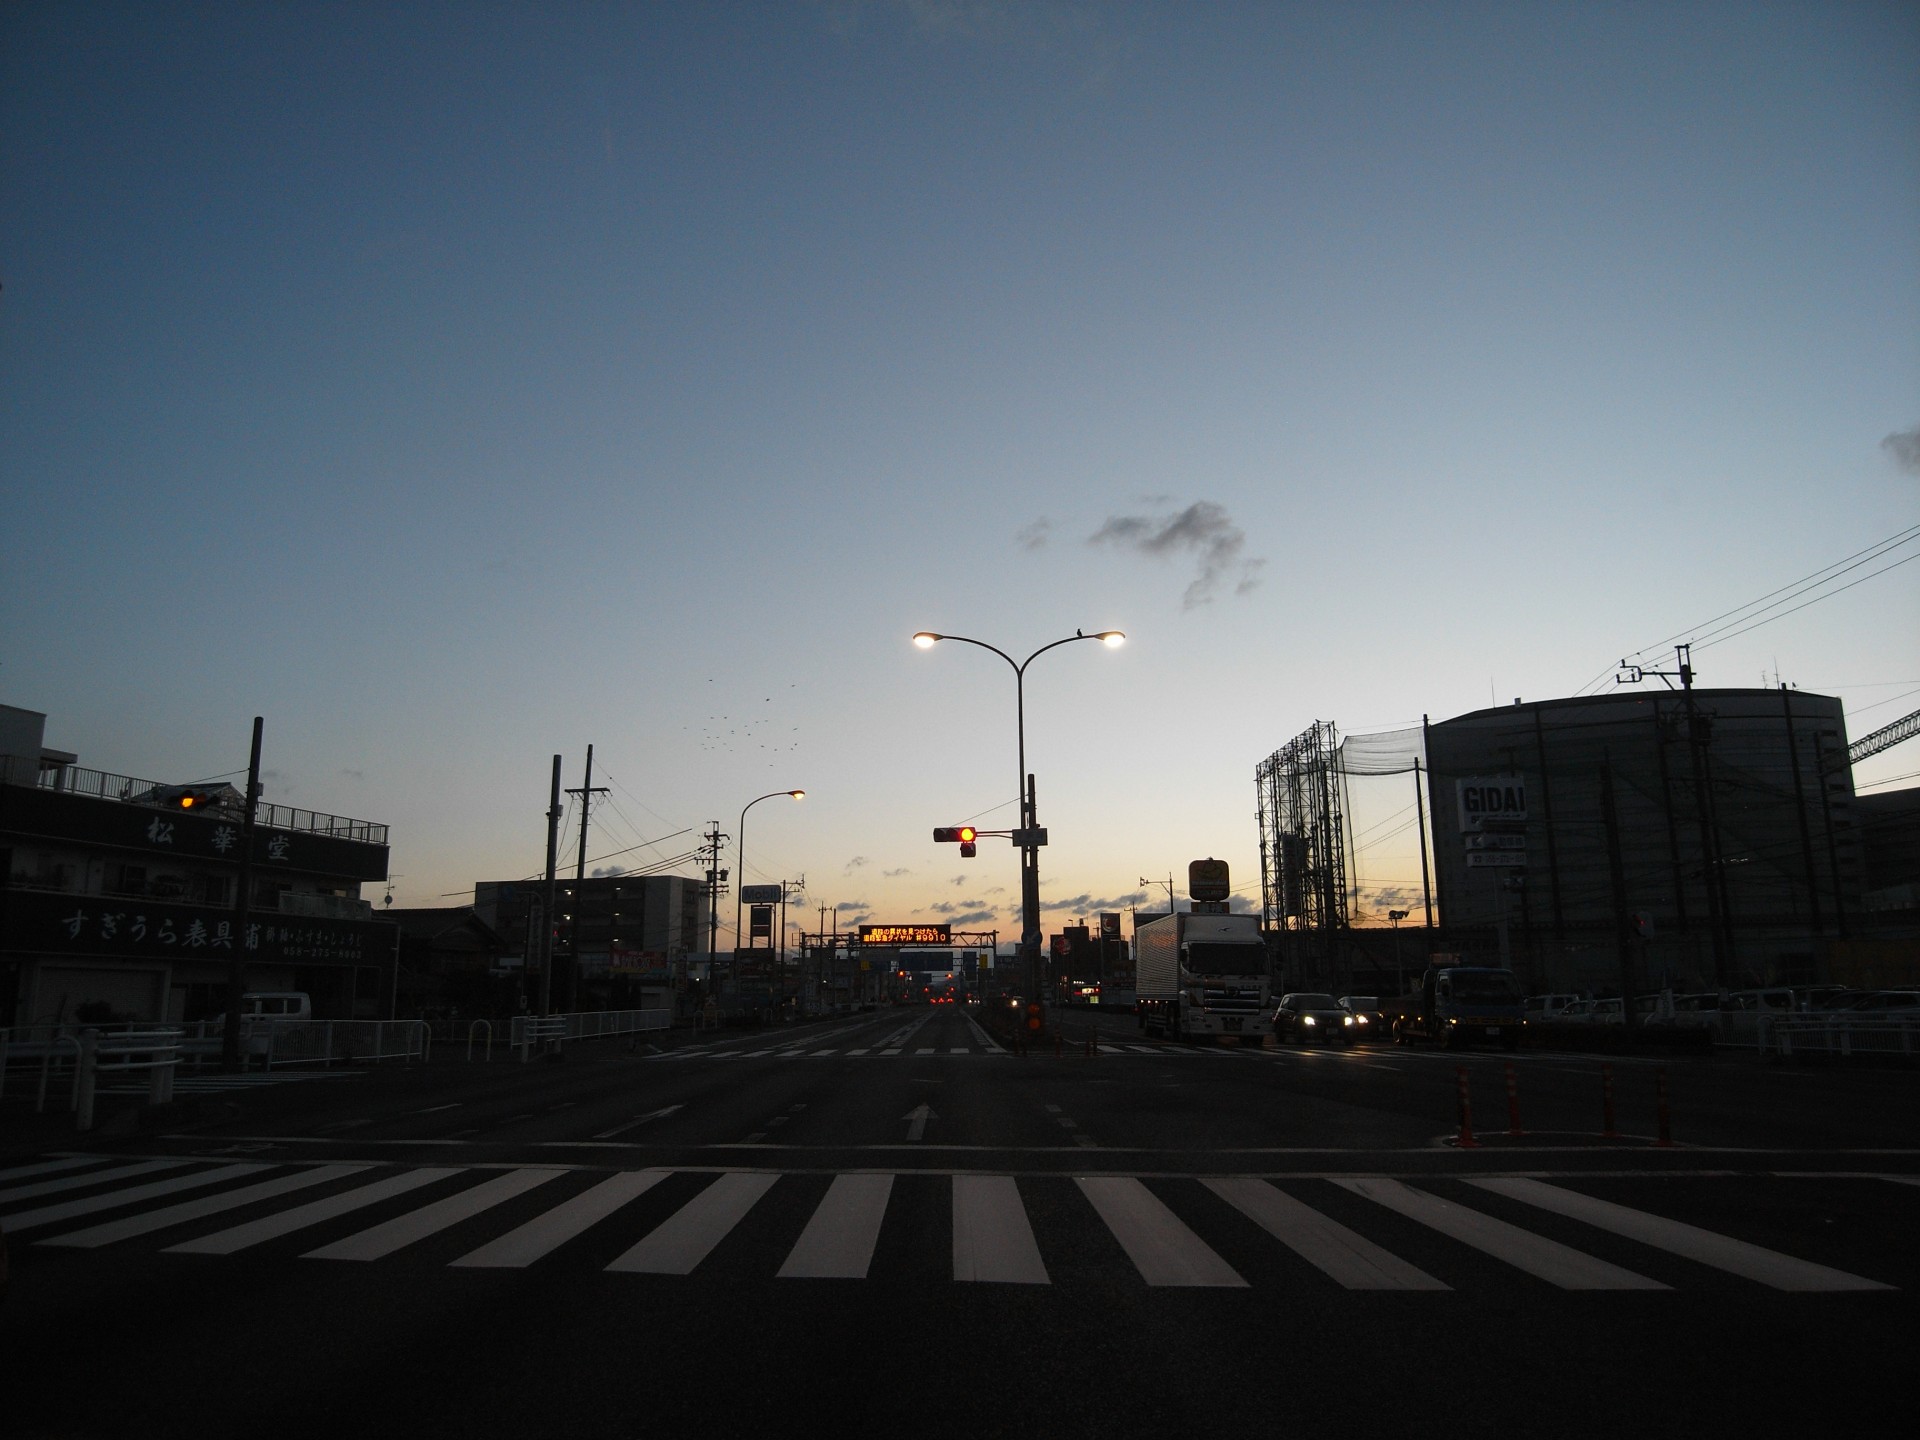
(230, 1059)
(716, 877)
(586, 792)
(546, 929)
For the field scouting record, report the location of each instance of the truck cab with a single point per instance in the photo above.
(1463, 1004)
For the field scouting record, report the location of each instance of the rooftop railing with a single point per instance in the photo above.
(101, 785)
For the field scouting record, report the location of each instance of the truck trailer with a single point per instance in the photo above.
(1202, 975)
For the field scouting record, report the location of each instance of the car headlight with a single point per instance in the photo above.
(1308, 1020)
(1346, 1019)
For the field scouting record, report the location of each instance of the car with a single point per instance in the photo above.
(1367, 1015)
(1307, 1016)
(1549, 1007)
(1887, 1002)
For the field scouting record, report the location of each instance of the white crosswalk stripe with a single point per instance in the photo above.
(992, 1238)
(1350, 1258)
(1737, 1257)
(1175, 1232)
(699, 1225)
(403, 1230)
(1165, 1251)
(1546, 1259)
(165, 1219)
(838, 1241)
(546, 1233)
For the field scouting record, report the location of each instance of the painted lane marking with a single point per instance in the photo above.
(1349, 1258)
(271, 1227)
(1722, 1252)
(547, 1232)
(839, 1240)
(992, 1237)
(382, 1240)
(691, 1233)
(172, 1215)
(1540, 1257)
(1162, 1248)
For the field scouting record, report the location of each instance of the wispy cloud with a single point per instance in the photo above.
(858, 862)
(1202, 534)
(1904, 447)
(1036, 535)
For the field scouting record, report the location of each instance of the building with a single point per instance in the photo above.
(1702, 838)
(119, 896)
(633, 933)
(453, 969)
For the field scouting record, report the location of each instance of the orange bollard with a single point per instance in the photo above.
(1666, 1123)
(1465, 1139)
(1606, 1104)
(1513, 1102)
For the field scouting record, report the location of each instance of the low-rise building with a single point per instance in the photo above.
(118, 895)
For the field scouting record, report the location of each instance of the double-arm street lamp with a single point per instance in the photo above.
(1025, 838)
(740, 856)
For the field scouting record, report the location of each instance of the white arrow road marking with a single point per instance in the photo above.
(917, 1121)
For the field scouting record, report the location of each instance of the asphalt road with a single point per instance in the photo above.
(888, 1224)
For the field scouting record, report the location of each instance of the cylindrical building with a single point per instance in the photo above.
(1698, 838)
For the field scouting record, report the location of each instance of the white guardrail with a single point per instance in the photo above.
(550, 1031)
(1843, 1035)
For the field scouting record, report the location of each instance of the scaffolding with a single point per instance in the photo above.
(1304, 883)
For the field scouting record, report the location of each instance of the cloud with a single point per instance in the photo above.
(973, 917)
(856, 863)
(1203, 534)
(1904, 447)
(1035, 536)
(894, 874)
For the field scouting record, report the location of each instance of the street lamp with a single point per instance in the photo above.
(1394, 917)
(1029, 851)
(740, 860)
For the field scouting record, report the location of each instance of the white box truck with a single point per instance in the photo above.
(1202, 975)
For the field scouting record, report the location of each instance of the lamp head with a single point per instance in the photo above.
(798, 794)
(926, 639)
(1113, 638)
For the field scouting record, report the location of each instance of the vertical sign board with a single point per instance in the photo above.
(1490, 799)
(760, 922)
(1207, 880)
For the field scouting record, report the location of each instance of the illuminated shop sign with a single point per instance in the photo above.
(905, 934)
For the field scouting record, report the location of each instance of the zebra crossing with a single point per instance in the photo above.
(1235, 1232)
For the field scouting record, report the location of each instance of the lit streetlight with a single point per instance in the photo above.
(1029, 851)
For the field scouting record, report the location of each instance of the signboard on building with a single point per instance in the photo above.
(1490, 799)
(760, 894)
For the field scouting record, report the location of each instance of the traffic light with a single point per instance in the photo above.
(964, 835)
(187, 797)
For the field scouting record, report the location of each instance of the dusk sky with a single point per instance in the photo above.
(455, 385)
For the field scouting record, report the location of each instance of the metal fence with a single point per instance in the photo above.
(585, 1025)
(51, 1051)
(1844, 1036)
